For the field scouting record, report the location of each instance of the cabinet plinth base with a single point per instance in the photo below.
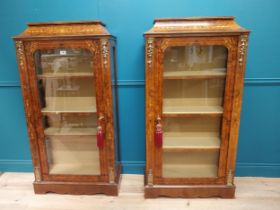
(75, 188)
(190, 191)
(79, 188)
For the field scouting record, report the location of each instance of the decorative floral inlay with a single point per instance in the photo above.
(188, 27)
(64, 30)
(92, 46)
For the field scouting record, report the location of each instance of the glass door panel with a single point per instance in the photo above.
(191, 146)
(67, 93)
(75, 155)
(193, 91)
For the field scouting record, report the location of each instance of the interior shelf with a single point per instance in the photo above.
(75, 169)
(52, 131)
(70, 104)
(63, 75)
(195, 74)
(69, 110)
(192, 110)
(181, 141)
(192, 106)
(55, 55)
(191, 170)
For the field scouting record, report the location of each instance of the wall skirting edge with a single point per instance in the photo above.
(133, 167)
(16, 165)
(262, 81)
(9, 84)
(257, 169)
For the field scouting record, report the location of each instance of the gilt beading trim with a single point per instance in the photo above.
(105, 51)
(37, 174)
(229, 178)
(150, 178)
(20, 53)
(150, 51)
(242, 48)
(111, 175)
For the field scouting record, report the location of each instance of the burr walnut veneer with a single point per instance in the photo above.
(68, 79)
(194, 81)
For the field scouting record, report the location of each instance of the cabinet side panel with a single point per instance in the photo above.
(236, 109)
(28, 103)
(150, 105)
(108, 103)
(114, 86)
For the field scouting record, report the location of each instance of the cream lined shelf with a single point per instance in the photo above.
(181, 141)
(52, 131)
(202, 110)
(75, 55)
(70, 104)
(195, 74)
(192, 106)
(63, 75)
(69, 110)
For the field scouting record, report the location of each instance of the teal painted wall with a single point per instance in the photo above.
(259, 142)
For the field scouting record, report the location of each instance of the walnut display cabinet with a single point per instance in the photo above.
(194, 81)
(68, 79)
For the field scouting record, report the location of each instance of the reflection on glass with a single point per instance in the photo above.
(194, 83)
(68, 105)
(65, 124)
(64, 61)
(67, 94)
(195, 60)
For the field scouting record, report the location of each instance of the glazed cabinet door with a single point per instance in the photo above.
(193, 106)
(67, 96)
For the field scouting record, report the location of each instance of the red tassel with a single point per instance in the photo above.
(100, 137)
(158, 135)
